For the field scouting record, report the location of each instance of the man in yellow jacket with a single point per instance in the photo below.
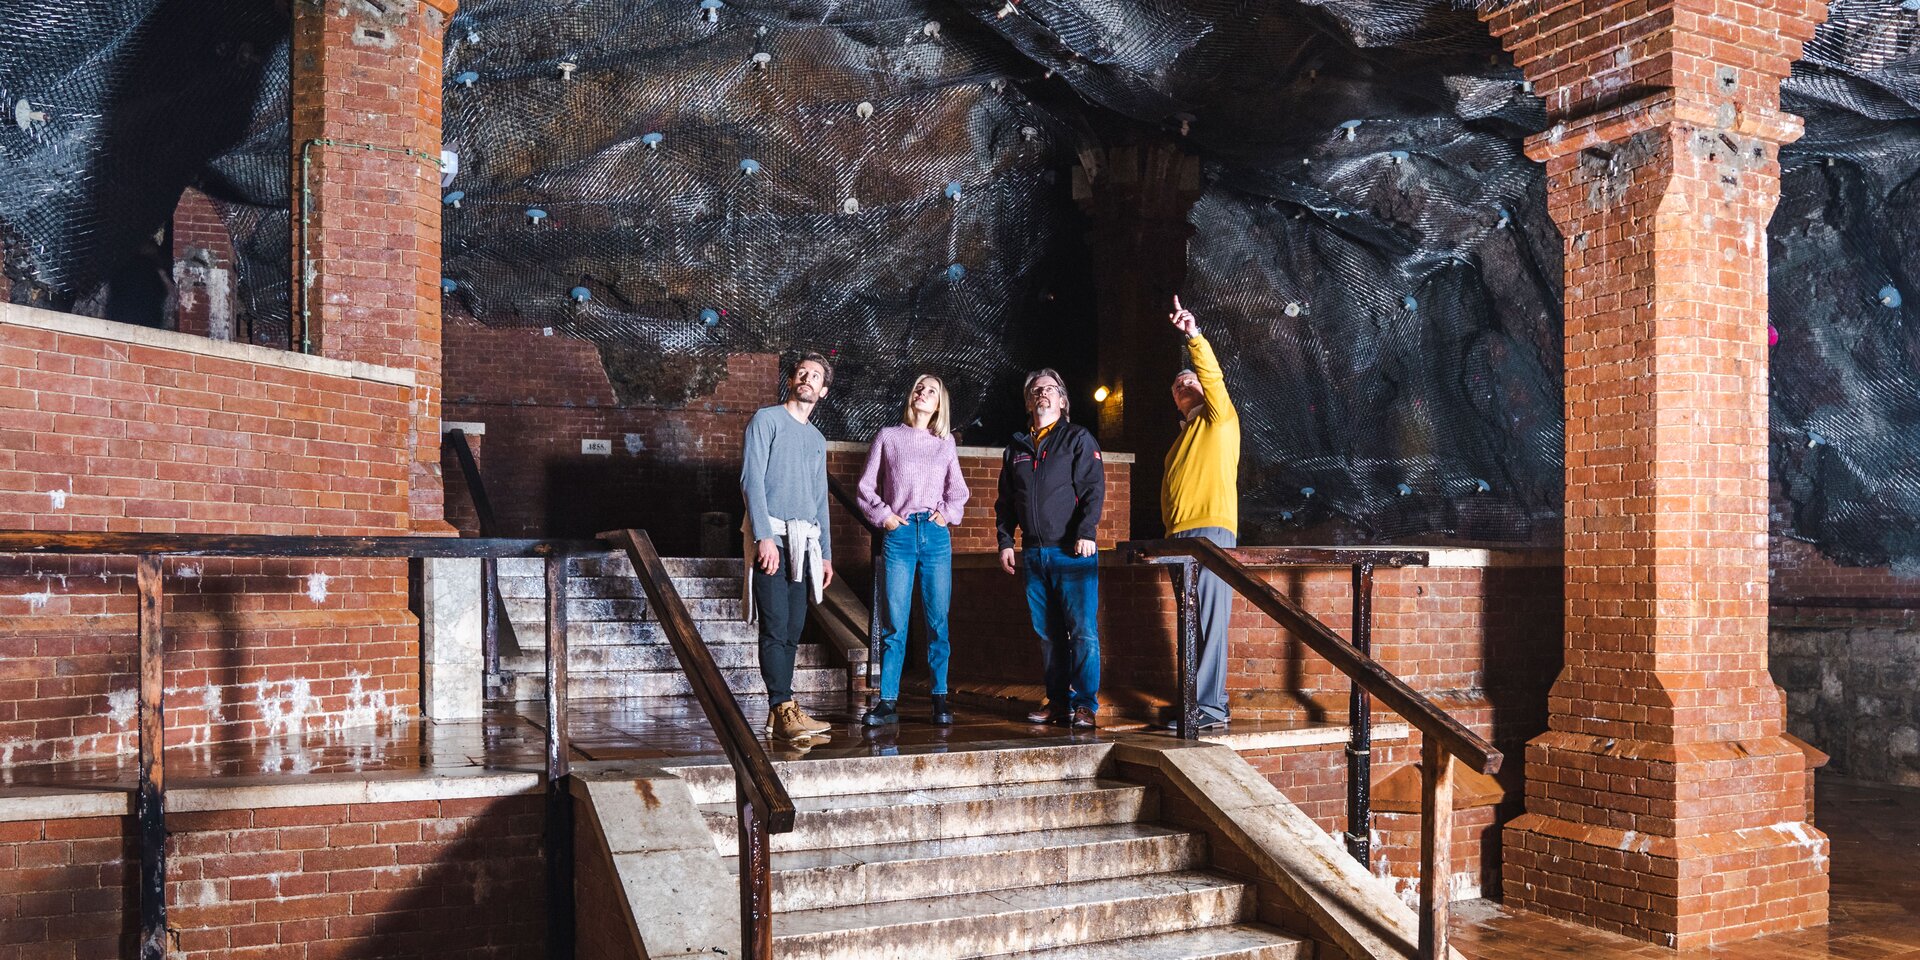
(1200, 497)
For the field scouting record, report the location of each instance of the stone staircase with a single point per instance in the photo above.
(615, 645)
(1025, 851)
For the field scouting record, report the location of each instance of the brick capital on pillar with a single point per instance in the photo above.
(1664, 801)
(366, 193)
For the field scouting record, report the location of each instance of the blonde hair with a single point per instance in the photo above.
(941, 424)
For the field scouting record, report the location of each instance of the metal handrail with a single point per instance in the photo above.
(151, 550)
(761, 800)
(1442, 737)
(496, 625)
(850, 502)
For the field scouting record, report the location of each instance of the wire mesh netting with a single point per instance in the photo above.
(1846, 369)
(1371, 248)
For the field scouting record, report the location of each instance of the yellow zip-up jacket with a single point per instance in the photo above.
(1202, 487)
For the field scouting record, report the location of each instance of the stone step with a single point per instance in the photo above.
(601, 588)
(533, 611)
(1240, 941)
(944, 813)
(655, 657)
(1015, 921)
(817, 879)
(617, 565)
(532, 685)
(981, 766)
(532, 634)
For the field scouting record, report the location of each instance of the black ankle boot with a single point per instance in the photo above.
(942, 714)
(880, 714)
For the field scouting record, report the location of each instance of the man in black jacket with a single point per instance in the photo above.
(1052, 487)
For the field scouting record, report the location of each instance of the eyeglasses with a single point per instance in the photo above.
(1040, 389)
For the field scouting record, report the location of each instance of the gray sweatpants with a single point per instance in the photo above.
(1216, 611)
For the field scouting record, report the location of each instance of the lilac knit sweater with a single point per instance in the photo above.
(910, 471)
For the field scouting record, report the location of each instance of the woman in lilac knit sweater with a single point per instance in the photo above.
(912, 490)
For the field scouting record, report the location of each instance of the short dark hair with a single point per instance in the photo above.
(826, 367)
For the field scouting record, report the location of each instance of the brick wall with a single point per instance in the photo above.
(539, 396)
(203, 277)
(435, 878)
(162, 432)
(368, 75)
(1440, 629)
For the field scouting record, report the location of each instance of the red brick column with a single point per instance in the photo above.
(366, 189)
(1664, 802)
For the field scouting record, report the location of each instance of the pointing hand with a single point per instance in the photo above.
(1183, 319)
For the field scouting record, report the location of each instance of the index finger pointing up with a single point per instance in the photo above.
(1176, 303)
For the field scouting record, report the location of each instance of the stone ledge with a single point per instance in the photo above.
(1282, 739)
(266, 791)
(79, 326)
(855, 446)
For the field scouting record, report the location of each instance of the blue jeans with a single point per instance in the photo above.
(1063, 594)
(924, 547)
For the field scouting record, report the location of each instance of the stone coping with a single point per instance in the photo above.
(270, 790)
(1314, 736)
(1451, 558)
(995, 453)
(471, 428)
(79, 326)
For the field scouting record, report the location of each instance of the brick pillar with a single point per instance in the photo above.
(366, 274)
(1664, 801)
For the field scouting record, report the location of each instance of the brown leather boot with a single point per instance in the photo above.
(1047, 713)
(788, 723)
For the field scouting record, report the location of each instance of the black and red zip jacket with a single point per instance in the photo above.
(1052, 491)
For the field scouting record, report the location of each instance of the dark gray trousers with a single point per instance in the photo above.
(782, 605)
(1214, 614)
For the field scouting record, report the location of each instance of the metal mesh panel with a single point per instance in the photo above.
(1371, 247)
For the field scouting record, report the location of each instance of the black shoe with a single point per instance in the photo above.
(942, 714)
(881, 714)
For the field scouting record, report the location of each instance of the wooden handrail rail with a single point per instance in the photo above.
(271, 545)
(497, 635)
(1442, 738)
(850, 501)
(763, 804)
(1430, 720)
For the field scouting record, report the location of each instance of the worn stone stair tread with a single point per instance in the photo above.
(1239, 941)
(654, 657)
(905, 815)
(940, 795)
(608, 633)
(987, 762)
(532, 685)
(797, 861)
(1014, 921)
(813, 879)
(627, 587)
(617, 565)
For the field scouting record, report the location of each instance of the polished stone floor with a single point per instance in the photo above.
(1875, 898)
(1875, 830)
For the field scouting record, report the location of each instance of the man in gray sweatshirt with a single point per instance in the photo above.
(783, 478)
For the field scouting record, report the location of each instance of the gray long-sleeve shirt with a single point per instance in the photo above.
(783, 474)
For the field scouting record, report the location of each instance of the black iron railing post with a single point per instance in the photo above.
(559, 839)
(1186, 591)
(1360, 724)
